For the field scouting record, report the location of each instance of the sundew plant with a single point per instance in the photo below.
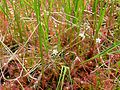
(59, 44)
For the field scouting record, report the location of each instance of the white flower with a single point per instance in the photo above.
(98, 40)
(55, 52)
(82, 35)
(5, 64)
(13, 1)
(55, 25)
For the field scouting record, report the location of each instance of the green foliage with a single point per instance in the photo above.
(64, 70)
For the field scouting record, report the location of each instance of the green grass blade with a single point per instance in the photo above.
(40, 29)
(114, 52)
(5, 11)
(62, 77)
(94, 12)
(46, 32)
(51, 4)
(76, 4)
(25, 3)
(17, 30)
(68, 9)
(6, 7)
(103, 52)
(1, 8)
(102, 13)
(58, 85)
(82, 7)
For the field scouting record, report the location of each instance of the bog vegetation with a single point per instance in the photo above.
(59, 45)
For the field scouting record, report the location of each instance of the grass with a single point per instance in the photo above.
(6, 10)
(102, 13)
(106, 51)
(40, 29)
(59, 44)
(64, 69)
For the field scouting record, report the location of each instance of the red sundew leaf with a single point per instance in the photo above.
(74, 72)
(4, 24)
(19, 67)
(28, 88)
(14, 87)
(10, 86)
(108, 84)
(115, 57)
(93, 79)
(44, 83)
(24, 80)
(1, 87)
(54, 85)
(66, 88)
(75, 87)
(89, 8)
(76, 63)
(104, 31)
(110, 22)
(47, 78)
(8, 39)
(11, 70)
(77, 80)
